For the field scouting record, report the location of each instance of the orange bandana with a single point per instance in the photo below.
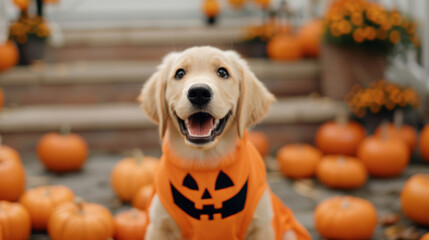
(219, 203)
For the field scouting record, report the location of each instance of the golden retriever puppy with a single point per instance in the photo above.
(211, 180)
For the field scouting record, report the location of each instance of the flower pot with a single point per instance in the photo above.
(33, 49)
(344, 67)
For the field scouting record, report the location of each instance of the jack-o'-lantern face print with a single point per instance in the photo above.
(230, 205)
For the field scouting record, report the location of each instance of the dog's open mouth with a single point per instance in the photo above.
(201, 127)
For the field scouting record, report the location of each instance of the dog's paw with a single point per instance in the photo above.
(290, 235)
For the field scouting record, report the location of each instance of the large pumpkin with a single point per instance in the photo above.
(211, 8)
(405, 133)
(9, 55)
(384, 156)
(340, 137)
(14, 221)
(41, 201)
(298, 160)
(62, 152)
(81, 220)
(425, 236)
(310, 36)
(142, 198)
(341, 172)
(345, 218)
(415, 199)
(424, 143)
(130, 174)
(260, 141)
(12, 174)
(130, 225)
(284, 47)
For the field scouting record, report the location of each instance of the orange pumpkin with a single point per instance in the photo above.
(1, 98)
(340, 137)
(345, 217)
(41, 201)
(298, 160)
(142, 198)
(424, 143)
(384, 156)
(130, 225)
(415, 199)
(310, 37)
(341, 172)
(12, 180)
(260, 141)
(80, 220)
(263, 3)
(14, 221)
(130, 174)
(9, 55)
(62, 152)
(1, 233)
(405, 133)
(284, 47)
(211, 8)
(425, 237)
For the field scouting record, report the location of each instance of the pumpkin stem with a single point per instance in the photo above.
(47, 191)
(398, 118)
(341, 118)
(138, 155)
(341, 159)
(134, 212)
(65, 129)
(345, 203)
(79, 203)
(384, 130)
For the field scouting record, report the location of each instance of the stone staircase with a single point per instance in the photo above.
(97, 96)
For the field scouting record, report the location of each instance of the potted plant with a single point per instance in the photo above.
(358, 37)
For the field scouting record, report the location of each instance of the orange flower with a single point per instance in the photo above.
(396, 18)
(359, 35)
(370, 33)
(357, 18)
(345, 27)
(394, 36)
(381, 34)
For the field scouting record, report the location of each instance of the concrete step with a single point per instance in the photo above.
(121, 126)
(85, 82)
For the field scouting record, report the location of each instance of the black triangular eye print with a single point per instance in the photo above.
(190, 182)
(206, 195)
(223, 181)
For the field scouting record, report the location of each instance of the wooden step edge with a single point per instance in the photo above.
(99, 72)
(130, 116)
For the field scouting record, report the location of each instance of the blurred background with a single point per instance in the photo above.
(340, 69)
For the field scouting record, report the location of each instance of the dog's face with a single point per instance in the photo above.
(204, 92)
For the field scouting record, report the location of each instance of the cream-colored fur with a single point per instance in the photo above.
(163, 98)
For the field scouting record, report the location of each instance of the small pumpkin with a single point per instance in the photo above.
(211, 8)
(341, 172)
(14, 221)
(398, 130)
(12, 180)
(41, 201)
(425, 236)
(62, 152)
(415, 199)
(284, 47)
(424, 143)
(345, 217)
(384, 156)
(340, 137)
(310, 37)
(130, 174)
(298, 160)
(130, 225)
(260, 141)
(80, 220)
(142, 198)
(9, 55)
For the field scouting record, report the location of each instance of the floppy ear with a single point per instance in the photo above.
(255, 99)
(152, 96)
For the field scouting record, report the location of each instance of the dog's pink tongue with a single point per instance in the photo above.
(200, 128)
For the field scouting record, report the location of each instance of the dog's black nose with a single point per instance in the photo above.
(200, 94)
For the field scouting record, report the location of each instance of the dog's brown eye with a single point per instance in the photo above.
(223, 73)
(180, 73)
